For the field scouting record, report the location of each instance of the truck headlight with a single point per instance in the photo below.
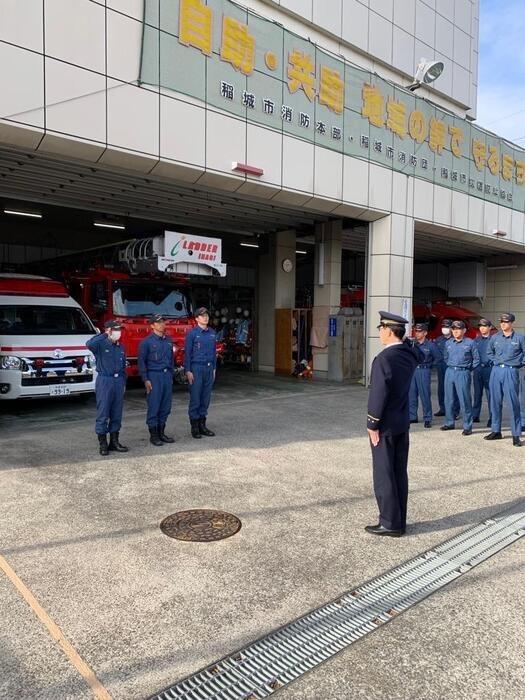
(10, 362)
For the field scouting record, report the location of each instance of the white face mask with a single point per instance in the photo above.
(445, 331)
(115, 335)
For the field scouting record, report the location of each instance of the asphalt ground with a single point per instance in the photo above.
(291, 459)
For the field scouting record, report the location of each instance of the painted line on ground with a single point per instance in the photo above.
(56, 633)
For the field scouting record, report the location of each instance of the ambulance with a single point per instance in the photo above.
(43, 334)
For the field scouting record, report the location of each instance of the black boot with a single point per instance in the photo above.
(162, 434)
(114, 444)
(195, 432)
(154, 437)
(203, 429)
(102, 441)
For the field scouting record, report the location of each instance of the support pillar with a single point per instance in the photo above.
(327, 290)
(275, 290)
(390, 275)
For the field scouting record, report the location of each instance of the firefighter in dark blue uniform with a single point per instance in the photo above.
(388, 424)
(156, 366)
(441, 367)
(200, 362)
(481, 375)
(461, 357)
(110, 386)
(507, 353)
(420, 386)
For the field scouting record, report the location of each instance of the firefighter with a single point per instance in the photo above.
(200, 362)
(156, 366)
(110, 386)
(420, 386)
(461, 357)
(441, 368)
(481, 375)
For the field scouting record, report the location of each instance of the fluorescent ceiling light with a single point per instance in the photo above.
(250, 245)
(502, 267)
(106, 224)
(303, 252)
(18, 212)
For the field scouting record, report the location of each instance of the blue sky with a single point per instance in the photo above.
(501, 83)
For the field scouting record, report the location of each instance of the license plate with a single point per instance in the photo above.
(59, 391)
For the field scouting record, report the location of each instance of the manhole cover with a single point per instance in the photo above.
(200, 525)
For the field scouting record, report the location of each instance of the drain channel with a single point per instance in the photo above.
(263, 667)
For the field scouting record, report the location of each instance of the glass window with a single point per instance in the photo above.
(144, 299)
(43, 320)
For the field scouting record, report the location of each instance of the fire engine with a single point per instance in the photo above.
(43, 334)
(157, 282)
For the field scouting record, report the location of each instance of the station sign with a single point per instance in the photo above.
(233, 59)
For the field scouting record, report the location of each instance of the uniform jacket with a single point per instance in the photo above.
(155, 354)
(110, 357)
(463, 354)
(390, 377)
(482, 345)
(439, 342)
(507, 350)
(200, 348)
(431, 354)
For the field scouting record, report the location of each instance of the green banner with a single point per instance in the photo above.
(235, 60)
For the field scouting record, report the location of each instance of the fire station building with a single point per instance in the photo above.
(283, 127)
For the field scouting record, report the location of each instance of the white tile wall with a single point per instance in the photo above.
(399, 192)
(444, 36)
(124, 41)
(403, 51)
(385, 8)
(423, 200)
(476, 210)
(84, 42)
(461, 84)
(460, 210)
(22, 90)
(225, 141)
(300, 7)
(490, 218)
(21, 23)
(355, 23)
(380, 187)
(425, 24)
(380, 37)
(132, 8)
(461, 48)
(463, 14)
(185, 144)
(517, 226)
(75, 101)
(355, 181)
(504, 220)
(327, 14)
(264, 150)
(298, 164)
(328, 176)
(442, 205)
(445, 8)
(133, 118)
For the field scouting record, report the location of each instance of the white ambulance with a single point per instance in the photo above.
(43, 334)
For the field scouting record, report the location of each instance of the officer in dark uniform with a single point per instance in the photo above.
(420, 386)
(200, 362)
(441, 367)
(481, 375)
(506, 351)
(156, 366)
(388, 424)
(109, 386)
(461, 357)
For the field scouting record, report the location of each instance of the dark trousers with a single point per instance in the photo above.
(109, 392)
(458, 383)
(200, 391)
(159, 398)
(480, 380)
(441, 369)
(504, 384)
(420, 388)
(389, 460)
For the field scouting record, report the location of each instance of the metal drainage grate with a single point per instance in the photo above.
(260, 669)
(200, 525)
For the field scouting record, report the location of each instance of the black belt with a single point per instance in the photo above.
(117, 374)
(509, 366)
(485, 364)
(423, 366)
(463, 369)
(159, 370)
(202, 364)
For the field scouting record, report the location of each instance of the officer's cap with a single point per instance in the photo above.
(484, 322)
(458, 324)
(421, 327)
(114, 325)
(202, 311)
(388, 319)
(446, 323)
(509, 318)
(156, 318)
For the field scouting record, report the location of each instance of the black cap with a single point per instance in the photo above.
(388, 319)
(446, 323)
(202, 311)
(484, 322)
(114, 325)
(156, 318)
(510, 318)
(458, 324)
(421, 327)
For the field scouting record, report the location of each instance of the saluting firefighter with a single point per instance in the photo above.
(420, 385)
(109, 386)
(388, 424)
(461, 357)
(506, 351)
(156, 366)
(481, 375)
(200, 362)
